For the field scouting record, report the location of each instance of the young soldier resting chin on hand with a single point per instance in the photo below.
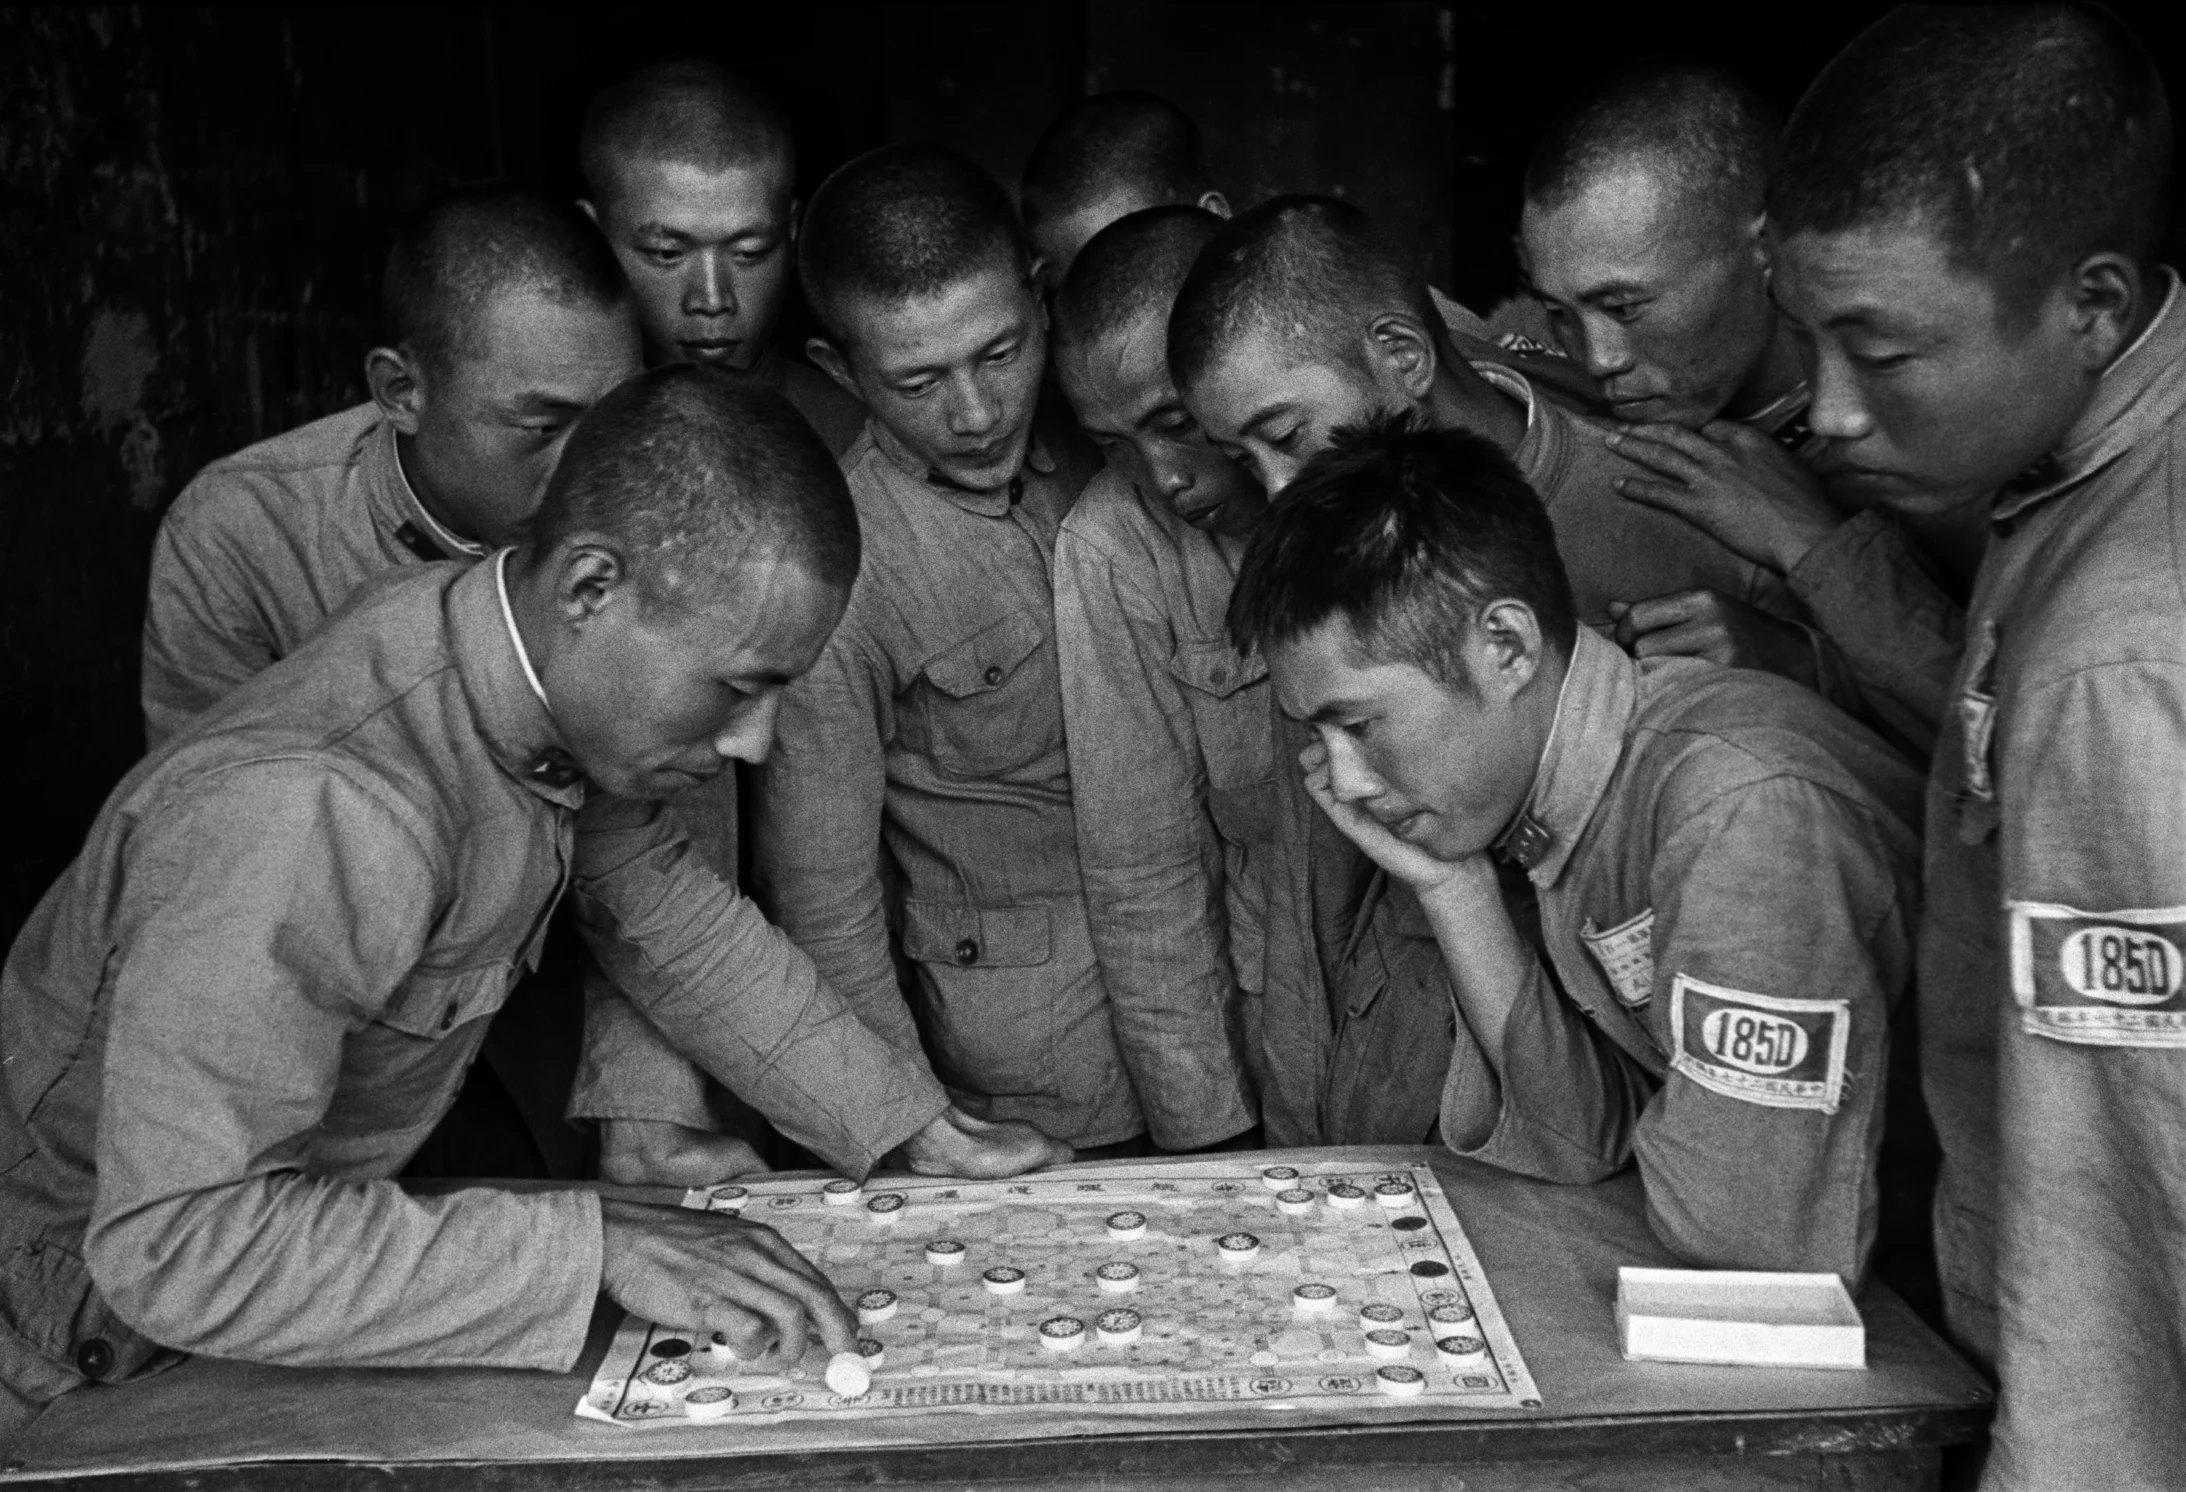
(1726, 865)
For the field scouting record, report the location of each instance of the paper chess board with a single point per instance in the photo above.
(1162, 1288)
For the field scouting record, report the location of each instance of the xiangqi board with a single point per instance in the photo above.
(1158, 1289)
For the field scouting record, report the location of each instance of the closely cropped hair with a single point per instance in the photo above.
(1311, 270)
(901, 222)
(1138, 143)
(1716, 135)
(1405, 533)
(462, 250)
(2024, 137)
(689, 111)
(1129, 270)
(694, 472)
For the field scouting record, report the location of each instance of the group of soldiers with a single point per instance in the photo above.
(1154, 677)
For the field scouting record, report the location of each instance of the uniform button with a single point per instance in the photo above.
(994, 675)
(94, 1359)
(967, 952)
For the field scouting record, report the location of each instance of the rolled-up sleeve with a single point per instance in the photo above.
(1899, 633)
(1148, 850)
(735, 995)
(1786, 919)
(265, 922)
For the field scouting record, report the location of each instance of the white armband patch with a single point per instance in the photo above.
(2100, 978)
(1784, 1053)
(1626, 953)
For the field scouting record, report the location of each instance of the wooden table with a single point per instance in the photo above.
(1551, 1254)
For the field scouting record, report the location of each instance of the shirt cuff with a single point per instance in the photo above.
(569, 1274)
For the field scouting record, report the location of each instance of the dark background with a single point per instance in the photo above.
(197, 200)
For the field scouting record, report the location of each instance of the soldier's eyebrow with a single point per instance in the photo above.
(1272, 411)
(1334, 710)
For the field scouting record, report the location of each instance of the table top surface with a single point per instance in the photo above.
(1551, 1254)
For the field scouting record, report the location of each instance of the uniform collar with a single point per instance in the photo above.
(2139, 393)
(511, 717)
(435, 530)
(995, 503)
(396, 506)
(1519, 387)
(1593, 713)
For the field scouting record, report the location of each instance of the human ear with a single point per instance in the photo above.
(589, 577)
(828, 358)
(2106, 292)
(1404, 351)
(1757, 239)
(1510, 645)
(1215, 203)
(397, 388)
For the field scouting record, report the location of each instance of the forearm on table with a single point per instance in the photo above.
(1717, 1204)
(309, 1271)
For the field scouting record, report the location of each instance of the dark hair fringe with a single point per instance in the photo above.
(1405, 533)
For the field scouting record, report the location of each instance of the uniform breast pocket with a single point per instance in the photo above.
(400, 1071)
(992, 1028)
(990, 703)
(1230, 713)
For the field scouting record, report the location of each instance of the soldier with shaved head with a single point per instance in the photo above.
(691, 173)
(932, 728)
(1301, 317)
(506, 320)
(1642, 234)
(1104, 158)
(241, 1009)
(1170, 733)
(1723, 867)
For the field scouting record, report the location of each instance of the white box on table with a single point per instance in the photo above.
(1740, 1317)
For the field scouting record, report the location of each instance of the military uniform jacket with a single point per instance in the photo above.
(1357, 1026)
(1170, 736)
(252, 996)
(1727, 872)
(933, 723)
(2053, 957)
(264, 545)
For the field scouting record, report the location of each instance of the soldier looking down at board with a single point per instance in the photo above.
(243, 1007)
(1726, 866)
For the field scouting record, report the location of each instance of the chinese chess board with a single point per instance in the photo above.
(1158, 1288)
